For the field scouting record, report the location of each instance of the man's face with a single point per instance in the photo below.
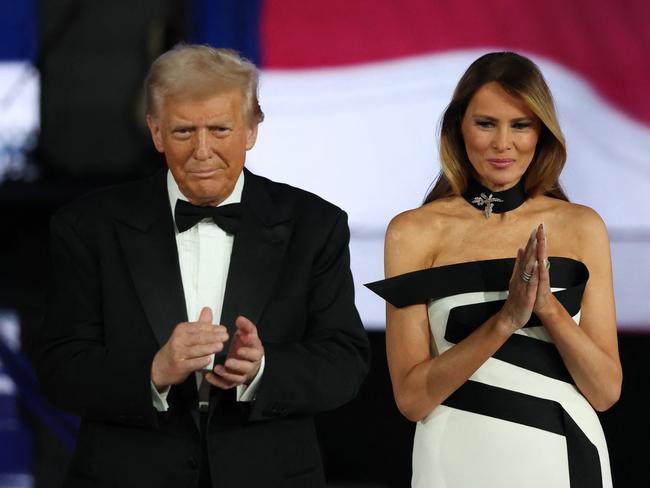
(205, 142)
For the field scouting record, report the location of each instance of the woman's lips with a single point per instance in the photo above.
(501, 163)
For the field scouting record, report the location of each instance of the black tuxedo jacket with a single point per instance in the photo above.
(117, 295)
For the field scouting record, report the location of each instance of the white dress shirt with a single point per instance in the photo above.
(204, 257)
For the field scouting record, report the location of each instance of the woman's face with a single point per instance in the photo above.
(500, 135)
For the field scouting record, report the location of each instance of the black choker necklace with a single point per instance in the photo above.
(490, 201)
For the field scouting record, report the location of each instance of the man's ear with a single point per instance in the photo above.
(251, 136)
(156, 133)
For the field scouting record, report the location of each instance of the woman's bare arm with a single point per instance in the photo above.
(590, 352)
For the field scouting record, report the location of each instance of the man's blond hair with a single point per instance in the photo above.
(190, 70)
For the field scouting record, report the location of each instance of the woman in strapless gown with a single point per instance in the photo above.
(501, 335)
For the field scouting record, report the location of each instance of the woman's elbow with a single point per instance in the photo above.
(608, 397)
(411, 408)
(602, 405)
(610, 400)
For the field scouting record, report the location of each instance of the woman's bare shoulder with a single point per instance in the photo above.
(579, 218)
(418, 223)
(413, 237)
(581, 230)
(591, 234)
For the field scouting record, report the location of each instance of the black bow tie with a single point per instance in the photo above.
(228, 217)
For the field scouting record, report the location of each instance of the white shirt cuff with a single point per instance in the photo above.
(246, 393)
(159, 398)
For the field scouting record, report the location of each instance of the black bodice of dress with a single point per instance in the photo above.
(486, 275)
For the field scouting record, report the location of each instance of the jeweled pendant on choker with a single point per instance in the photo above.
(490, 202)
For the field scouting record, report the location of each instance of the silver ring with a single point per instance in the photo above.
(547, 263)
(526, 276)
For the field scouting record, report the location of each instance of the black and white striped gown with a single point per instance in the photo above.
(519, 421)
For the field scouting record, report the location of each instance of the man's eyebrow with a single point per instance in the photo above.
(182, 125)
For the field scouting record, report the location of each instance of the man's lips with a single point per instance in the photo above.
(204, 173)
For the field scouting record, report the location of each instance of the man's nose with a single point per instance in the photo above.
(202, 145)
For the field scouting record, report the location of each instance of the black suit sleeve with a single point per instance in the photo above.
(326, 368)
(78, 371)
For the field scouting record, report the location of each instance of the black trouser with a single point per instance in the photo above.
(204, 468)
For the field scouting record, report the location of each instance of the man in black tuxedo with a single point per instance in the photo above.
(141, 274)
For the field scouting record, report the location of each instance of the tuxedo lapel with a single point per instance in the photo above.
(257, 254)
(146, 235)
(148, 241)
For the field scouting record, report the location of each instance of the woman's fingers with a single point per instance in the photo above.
(531, 247)
(524, 281)
(516, 271)
(526, 258)
(542, 255)
(542, 243)
(527, 274)
(534, 279)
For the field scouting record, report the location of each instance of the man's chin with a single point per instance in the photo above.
(207, 194)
